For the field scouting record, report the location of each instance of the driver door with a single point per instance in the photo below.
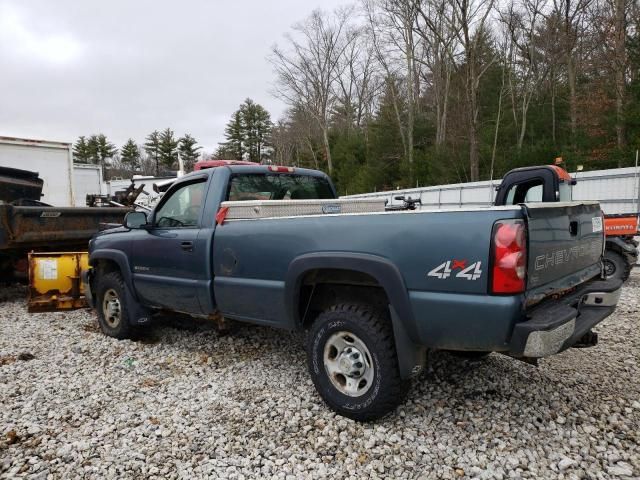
(168, 260)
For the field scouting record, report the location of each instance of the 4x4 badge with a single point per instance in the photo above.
(445, 270)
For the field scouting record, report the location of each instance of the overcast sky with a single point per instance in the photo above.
(127, 67)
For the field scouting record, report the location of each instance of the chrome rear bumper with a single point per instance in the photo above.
(558, 324)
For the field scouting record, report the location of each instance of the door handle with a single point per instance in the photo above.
(188, 246)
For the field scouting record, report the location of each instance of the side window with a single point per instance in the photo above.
(182, 208)
(525, 192)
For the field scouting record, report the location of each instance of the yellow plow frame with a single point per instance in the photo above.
(54, 281)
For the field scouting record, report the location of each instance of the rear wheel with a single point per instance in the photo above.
(111, 306)
(616, 266)
(353, 362)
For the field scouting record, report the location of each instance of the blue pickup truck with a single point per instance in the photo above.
(373, 289)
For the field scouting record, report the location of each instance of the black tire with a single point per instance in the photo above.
(373, 329)
(616, 266)
(112, 285)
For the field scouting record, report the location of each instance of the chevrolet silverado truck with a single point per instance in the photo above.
(373, 289)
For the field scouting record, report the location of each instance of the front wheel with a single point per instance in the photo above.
(111, 306)
(353, 362)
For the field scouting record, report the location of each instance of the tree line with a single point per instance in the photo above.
(394, 93)
(159, 153)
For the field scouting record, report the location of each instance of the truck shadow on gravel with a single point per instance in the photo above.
(460, 387)
(447, 380)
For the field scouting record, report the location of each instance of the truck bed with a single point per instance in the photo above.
(416, 243)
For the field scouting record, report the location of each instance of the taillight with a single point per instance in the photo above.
(509, 245)
(280, 169)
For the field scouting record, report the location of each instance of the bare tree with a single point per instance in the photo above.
(551, 54)
(527, 63)
(358, 83)
(571, 15)
(392, 25)
(469, 19)
(505, 52)
(620, 67)
(308, 70)
(437, 44)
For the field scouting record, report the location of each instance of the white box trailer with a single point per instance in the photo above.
(87, 180)
(52, 160)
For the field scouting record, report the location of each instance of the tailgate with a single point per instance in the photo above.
(566, 242)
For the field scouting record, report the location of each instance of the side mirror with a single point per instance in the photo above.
(135, 219)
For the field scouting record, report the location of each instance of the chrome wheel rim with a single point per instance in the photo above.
(111, 308)
(348, 364)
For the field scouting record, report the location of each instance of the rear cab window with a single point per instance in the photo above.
(278, 186)
(525, 192)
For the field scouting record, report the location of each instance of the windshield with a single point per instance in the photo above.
(269, 186)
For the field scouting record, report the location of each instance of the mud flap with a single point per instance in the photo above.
(411, 357)
(138, 314)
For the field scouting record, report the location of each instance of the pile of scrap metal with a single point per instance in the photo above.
(20, 187)
(121, 198)
(27, 225)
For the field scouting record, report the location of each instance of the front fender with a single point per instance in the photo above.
(138, 313)
(120, 259)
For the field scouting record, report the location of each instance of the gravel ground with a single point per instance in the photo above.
(185, 402)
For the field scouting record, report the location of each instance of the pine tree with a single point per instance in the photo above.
(81, 153)
(261, 131)
(106, 149)
(188, 151)
(234, 133)
(93, 148)
(99, 149)
(152, 148)
(130, 154)
(223, 152)
(247, 131)
(257, 127)
(168, 148)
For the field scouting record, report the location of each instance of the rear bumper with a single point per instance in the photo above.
(558, 324)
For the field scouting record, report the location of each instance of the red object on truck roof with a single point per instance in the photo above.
(219, 163)
(561, 172)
